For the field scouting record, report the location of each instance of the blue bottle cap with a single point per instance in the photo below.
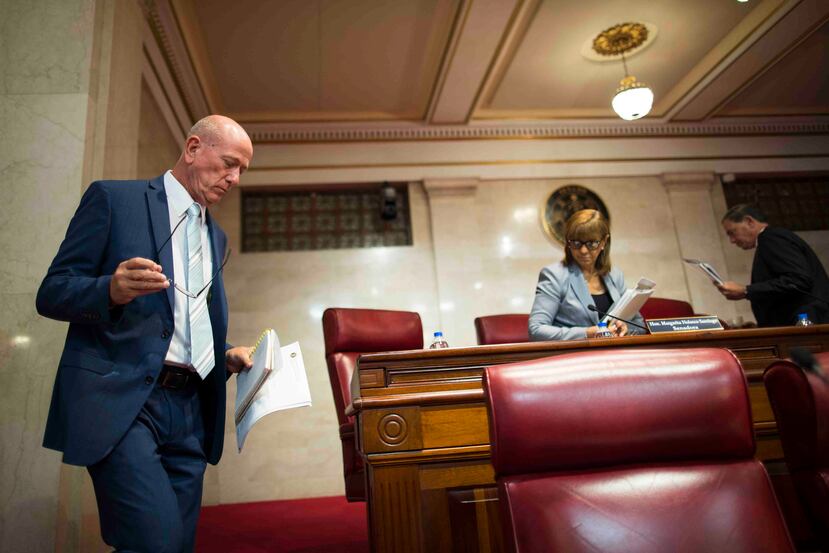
(438, 333)
(602, 323)
(802, 315)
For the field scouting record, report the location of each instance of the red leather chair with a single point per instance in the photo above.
(630, 451)
(800, 402)
(665, 308)
(349, 333)
(502, 329)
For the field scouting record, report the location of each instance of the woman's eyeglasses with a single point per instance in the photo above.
(592, 245)
(189, 294)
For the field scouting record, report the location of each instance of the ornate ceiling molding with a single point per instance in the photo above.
(276, 133)
(166, 32)
(164, 26)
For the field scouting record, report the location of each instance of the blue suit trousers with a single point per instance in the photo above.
(149, 486)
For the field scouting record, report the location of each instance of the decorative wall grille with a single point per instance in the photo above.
(795, 201)
(322, 220)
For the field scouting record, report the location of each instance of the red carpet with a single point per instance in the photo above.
(317, 525)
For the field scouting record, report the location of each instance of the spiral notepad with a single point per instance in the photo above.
(266, 359)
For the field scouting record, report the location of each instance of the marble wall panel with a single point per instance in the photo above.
(124, 89)
(697, 229)
(48, 60)
(40, 165)
(45, 46)
(43, 117)
(513, 246)
(28, 472)
(297, 453)
(457, 254)
(41, 153)
(158, 150)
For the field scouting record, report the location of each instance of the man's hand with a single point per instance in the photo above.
(238, 359)
(136, 277)
(732, 290)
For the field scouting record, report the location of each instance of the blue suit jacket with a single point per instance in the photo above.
(561, 298)
(112, 357)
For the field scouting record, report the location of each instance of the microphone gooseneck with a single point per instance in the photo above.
(603, 314)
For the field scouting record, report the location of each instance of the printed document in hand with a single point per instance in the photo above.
(276, 381)
(705, 268)
(632, 300)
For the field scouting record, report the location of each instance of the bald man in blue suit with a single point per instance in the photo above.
(139, 396)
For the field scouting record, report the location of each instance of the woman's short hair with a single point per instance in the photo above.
(586, 225)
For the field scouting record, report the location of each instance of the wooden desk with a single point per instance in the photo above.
(422, 428)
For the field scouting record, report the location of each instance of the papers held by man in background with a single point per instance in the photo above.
(277, 381)
(632, 300)
(706, 268)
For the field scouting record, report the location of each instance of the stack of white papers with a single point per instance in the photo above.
(277, 381)
(632, 300)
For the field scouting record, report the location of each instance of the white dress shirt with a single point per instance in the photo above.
(178, 201)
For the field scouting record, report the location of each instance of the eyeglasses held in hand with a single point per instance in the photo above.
(592, 245)
(195, 295)
(189, 294)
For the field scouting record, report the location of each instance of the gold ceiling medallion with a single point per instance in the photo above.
(620, 38)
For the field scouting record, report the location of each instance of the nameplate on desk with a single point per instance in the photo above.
(683, 324)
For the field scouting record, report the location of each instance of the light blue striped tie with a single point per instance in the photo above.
(201, 333)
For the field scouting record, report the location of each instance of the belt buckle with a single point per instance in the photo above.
(173, 380)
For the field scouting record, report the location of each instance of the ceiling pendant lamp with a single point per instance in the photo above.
(633, 99)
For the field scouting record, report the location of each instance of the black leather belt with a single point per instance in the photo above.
(177, 378)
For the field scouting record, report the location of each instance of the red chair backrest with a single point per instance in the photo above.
(502, 329)
(800, 401)
(349, 333)
(665, 308)
(630, 451)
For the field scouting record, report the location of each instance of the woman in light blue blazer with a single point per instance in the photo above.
(583, 278)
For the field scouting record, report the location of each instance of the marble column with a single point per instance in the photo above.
(60, 115)
(45, 56)
(698, 234)
(455, 236)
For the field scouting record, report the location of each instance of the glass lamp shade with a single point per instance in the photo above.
(632, 100)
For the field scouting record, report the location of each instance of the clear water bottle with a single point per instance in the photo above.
(439, 341)
(803, 320)
(603, 331)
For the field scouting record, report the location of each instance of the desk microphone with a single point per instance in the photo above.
(603, 314)
(805, 359)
